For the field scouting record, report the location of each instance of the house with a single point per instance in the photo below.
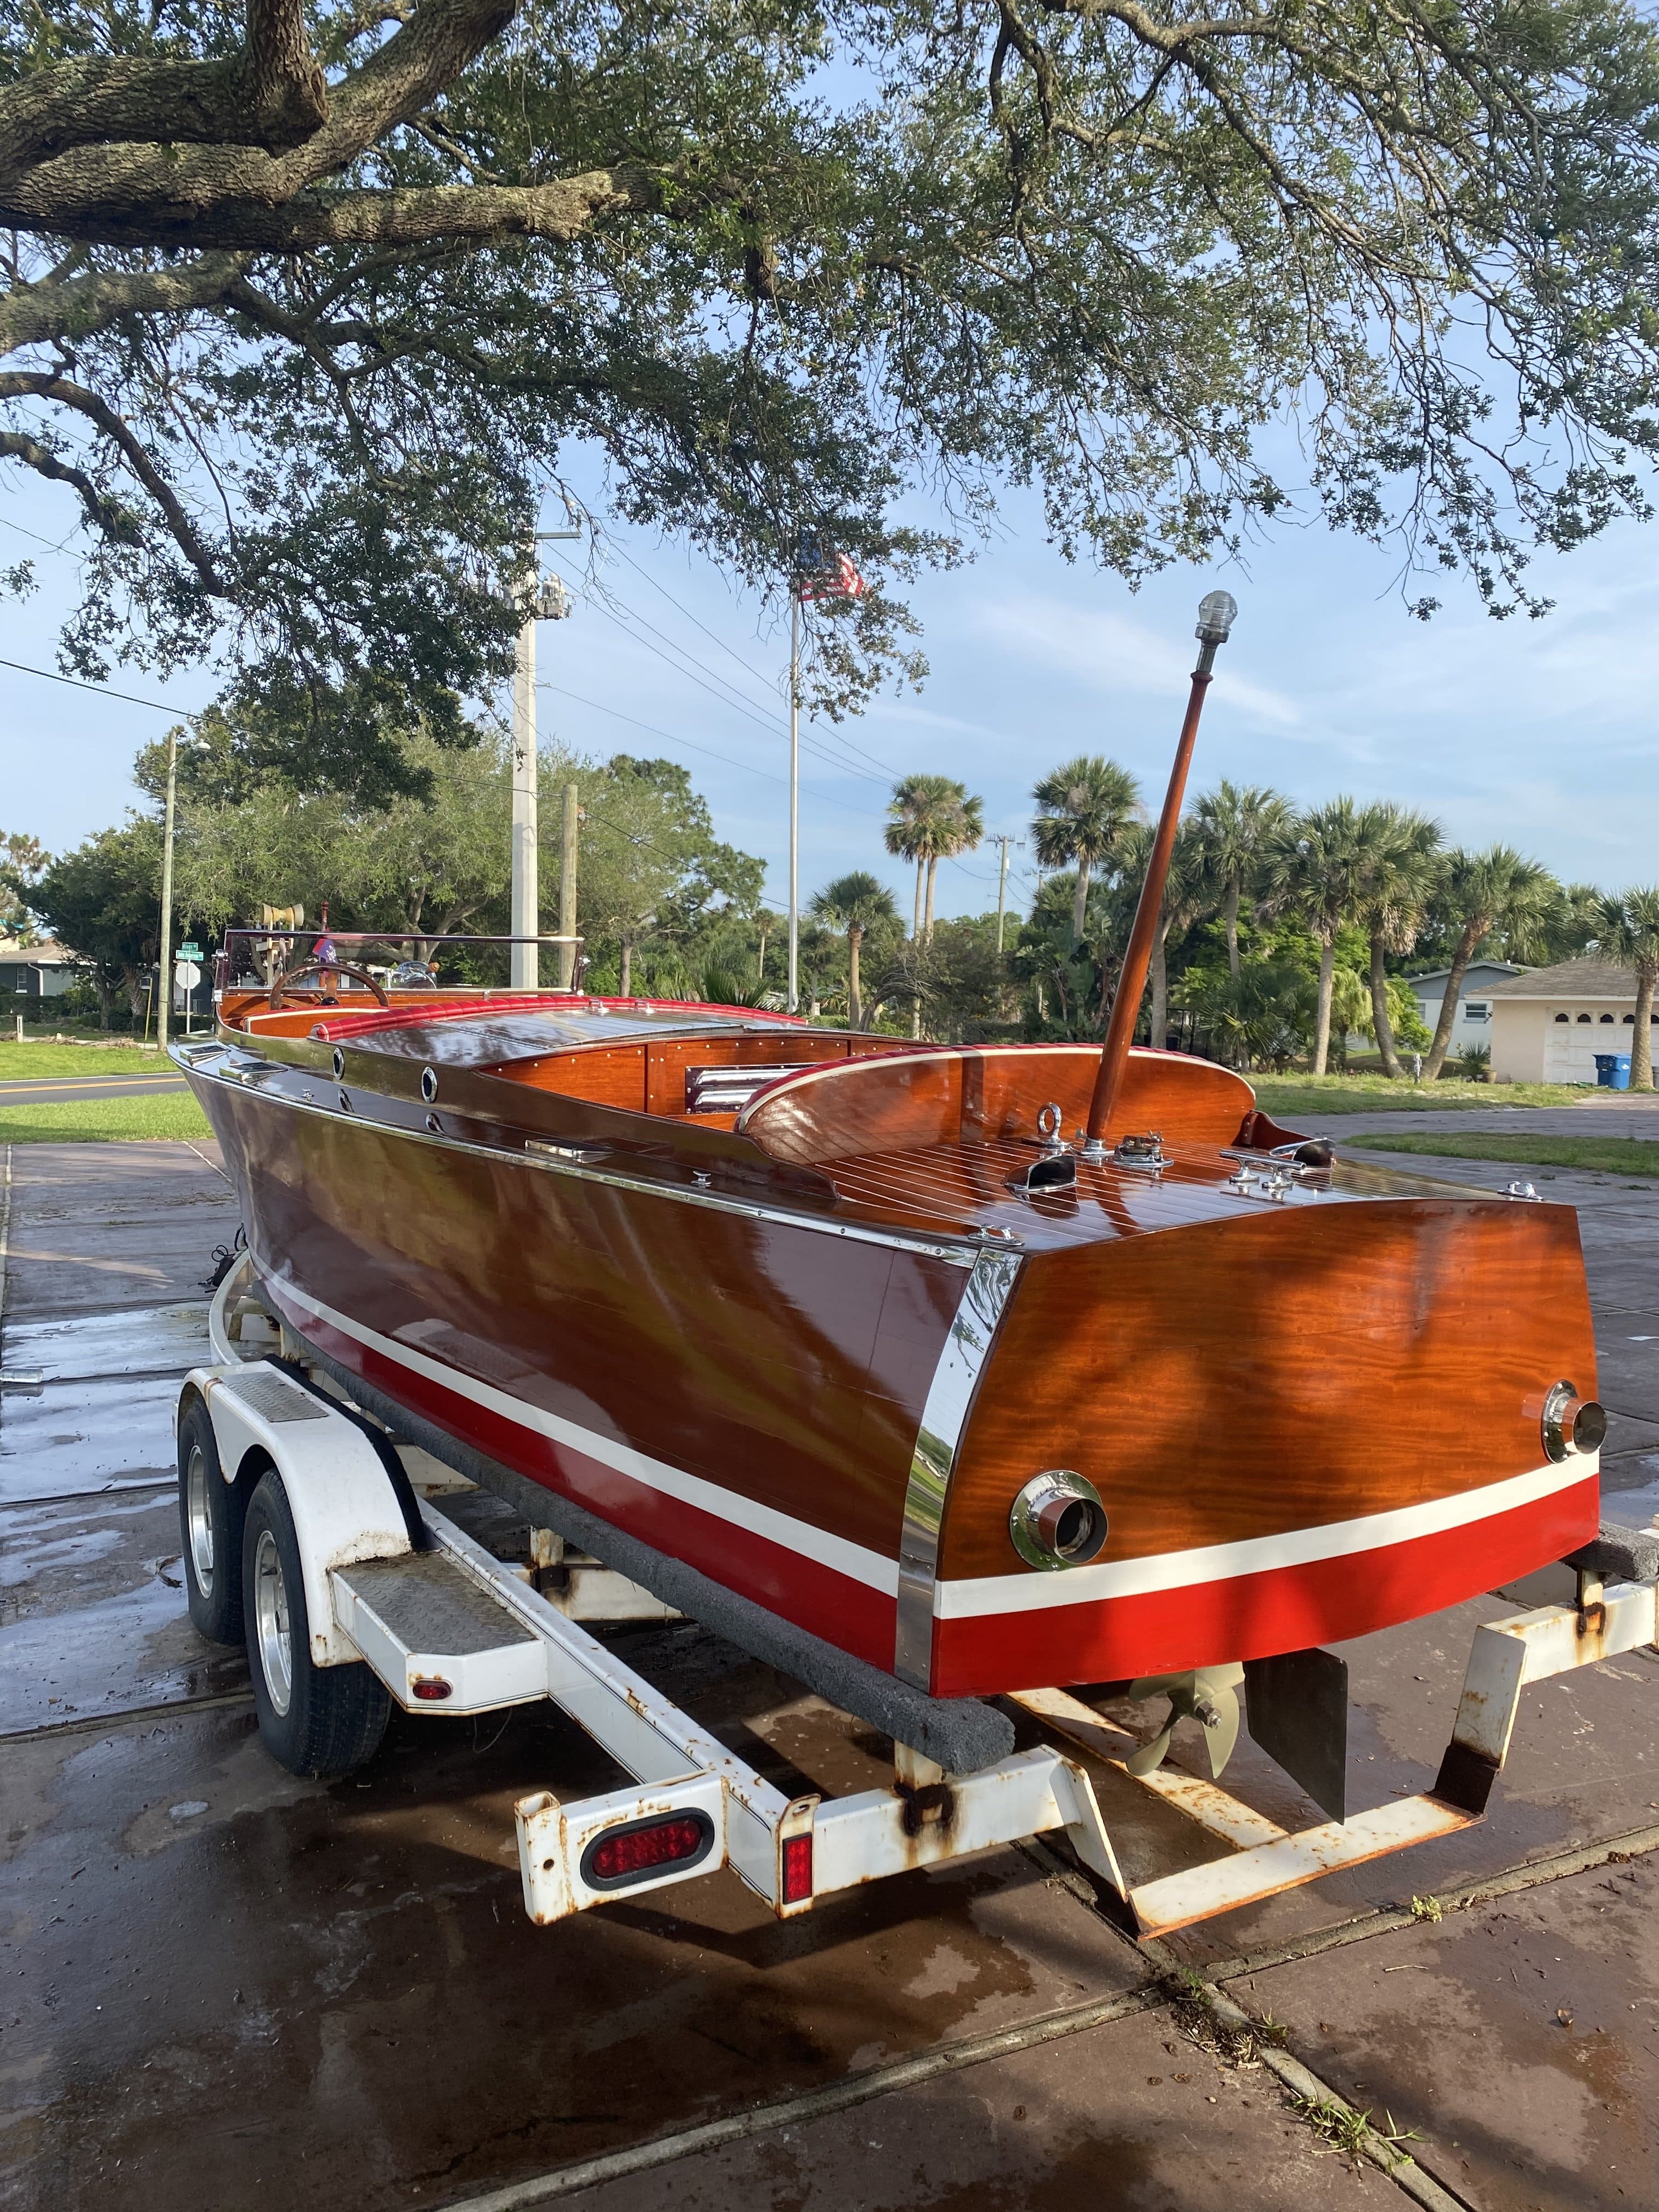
(1548, 1024)
(1473, 1024)
(42, 970)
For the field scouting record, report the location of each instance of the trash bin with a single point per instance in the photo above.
(1612, 1071)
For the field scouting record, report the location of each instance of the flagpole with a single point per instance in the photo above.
(795, 794)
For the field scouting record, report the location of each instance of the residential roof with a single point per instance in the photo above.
(1570, 979)
(1475, 967)
(43, 952)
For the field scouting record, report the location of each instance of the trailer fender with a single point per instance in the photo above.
(345, 1508)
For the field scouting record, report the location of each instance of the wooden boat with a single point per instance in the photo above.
(996, 1368)
(858, 1329)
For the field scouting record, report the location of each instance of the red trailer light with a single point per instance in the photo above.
(797, 1868)
(431, 1689)
(639, 1849)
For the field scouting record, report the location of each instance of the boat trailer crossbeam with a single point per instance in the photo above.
(389, 1580)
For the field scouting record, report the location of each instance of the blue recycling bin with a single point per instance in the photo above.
(1612, 1071)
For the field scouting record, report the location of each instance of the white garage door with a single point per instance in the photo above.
(1570, 1047)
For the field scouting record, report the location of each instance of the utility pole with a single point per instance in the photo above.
(794, 796)
(544, 602)
(567, 888)
(166, 994)
(1002, 889)
(525, 900)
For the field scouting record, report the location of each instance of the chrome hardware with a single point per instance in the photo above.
(434, 1126)
(1264, 1180)
(1571, 1424)
(1055, 1171)
(1144, 1152)
(428, 1083)
(1048, 1120)
(345, 1102)
(945, 1418)
(340, 1063)
(585, 1155)
(729, 1090)
(1058, 1520)
(1523, 1191)
(701, 1177)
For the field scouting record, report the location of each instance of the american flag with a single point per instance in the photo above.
(819, 575)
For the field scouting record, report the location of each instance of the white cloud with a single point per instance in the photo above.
(1112, 653)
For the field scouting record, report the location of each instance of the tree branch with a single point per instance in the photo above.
(271, 94)
(479, 213)
(42, 384)
(16, 445)
(35, 314)
(148, 190)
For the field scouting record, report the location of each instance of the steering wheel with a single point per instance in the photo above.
(282, 984)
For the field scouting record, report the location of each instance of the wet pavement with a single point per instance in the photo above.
(228, 1987)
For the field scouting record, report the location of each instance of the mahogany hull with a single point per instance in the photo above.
(1306, 1423)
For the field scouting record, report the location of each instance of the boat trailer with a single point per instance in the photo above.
(385, 1580)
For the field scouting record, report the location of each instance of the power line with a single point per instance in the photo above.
(104, 690)
(673, 739)
(51, 545)
(886, 771)
(615, 608)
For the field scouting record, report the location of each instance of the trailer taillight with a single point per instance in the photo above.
(797, 1868)
(641, 1848)
(431, 1689)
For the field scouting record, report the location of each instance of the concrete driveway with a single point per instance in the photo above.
(226, 1987)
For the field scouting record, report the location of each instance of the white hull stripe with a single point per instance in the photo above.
(781, 1529)
(969, 1600)
(1257, 1555)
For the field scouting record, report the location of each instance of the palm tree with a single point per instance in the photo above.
(914, 817)
(1403, 869)
(854, 904)
(1237, 827)
(1316, 872)
(1495, 889)
(1086, 806)
(1627, 930)
(956, 825)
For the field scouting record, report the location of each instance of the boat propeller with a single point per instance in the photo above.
(1206, 1694)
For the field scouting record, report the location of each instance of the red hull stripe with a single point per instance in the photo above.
(839, 1607)
(1006, 1631)
(1288, 1609)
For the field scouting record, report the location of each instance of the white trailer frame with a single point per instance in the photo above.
(366, 1588)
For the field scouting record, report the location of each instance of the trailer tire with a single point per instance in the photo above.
(316, 1721)
(211, 1515)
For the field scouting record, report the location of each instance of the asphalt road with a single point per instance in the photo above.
(60, 1089)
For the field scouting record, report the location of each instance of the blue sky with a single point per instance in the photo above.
(1540, 733)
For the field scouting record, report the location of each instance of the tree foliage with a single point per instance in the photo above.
(306, 306)
(103, 901)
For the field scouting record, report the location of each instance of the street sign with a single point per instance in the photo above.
(190, 950)
(186, 975)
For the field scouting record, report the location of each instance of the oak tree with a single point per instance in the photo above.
(305, 305)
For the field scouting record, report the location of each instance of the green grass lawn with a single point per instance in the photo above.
(1374, 1094)
(1605, 1155)
(19, 1062)
(97, 1120)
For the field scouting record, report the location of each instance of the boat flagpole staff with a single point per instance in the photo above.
(1216, 616)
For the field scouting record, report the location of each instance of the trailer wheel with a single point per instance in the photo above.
(211, 1515)
(316, 1721)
